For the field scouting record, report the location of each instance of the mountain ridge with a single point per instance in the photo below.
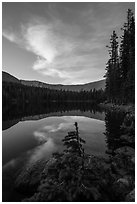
(78, 87)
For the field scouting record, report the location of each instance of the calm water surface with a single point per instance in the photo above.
(44, 136)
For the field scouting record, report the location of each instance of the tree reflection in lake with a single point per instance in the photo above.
(113, 122)
(11, 115)
(23, 110)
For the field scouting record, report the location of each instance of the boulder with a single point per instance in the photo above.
(123, 181)
(126, 150)
(133, 160)
(130, 197)
(124, 161)
(120, 188)
(127, 139)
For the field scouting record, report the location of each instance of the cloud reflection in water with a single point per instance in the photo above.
(43, 151)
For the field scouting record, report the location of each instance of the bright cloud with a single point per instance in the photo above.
(52, 48)
(41, 41)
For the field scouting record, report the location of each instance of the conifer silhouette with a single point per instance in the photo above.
(74, 142)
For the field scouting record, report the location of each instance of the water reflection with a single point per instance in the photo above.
(43, 151)
(27, 135)
(15, 113)
(40, 136)
(113, 122)
(31, 135)
(38, 130)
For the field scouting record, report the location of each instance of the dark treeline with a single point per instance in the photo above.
(120, 75)
(18, 111)
(17, 93)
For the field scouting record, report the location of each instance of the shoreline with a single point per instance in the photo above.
(130, 108)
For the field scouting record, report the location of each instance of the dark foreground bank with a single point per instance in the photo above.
(76, 176)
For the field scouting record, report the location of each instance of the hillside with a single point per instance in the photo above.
(87, 87)
(6, 77)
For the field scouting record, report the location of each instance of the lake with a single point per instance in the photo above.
(33, 137)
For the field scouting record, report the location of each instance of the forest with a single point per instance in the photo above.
(17, 93)
(120, 69)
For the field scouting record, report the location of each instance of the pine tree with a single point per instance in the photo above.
(74, 143)
(127, 58)
(120, 75)
(112, 75)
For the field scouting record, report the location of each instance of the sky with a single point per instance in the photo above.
(59, 42)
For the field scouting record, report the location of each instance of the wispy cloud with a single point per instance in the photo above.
(10, 36)
(52, 46)
(40, 40)
(69, 41)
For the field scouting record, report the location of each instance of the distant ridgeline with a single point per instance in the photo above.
(20, 91)
(120, 75)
